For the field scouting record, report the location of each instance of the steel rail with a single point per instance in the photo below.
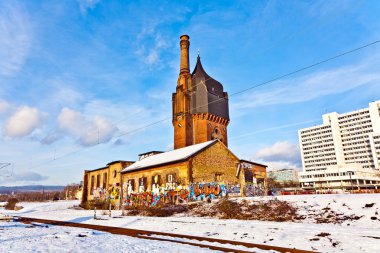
(146, 234)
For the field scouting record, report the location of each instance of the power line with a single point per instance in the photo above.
(233, 94)
(305, 68)
(233, 138)
(287, 37)
(54, 130)
(272, 128)
(4, 165)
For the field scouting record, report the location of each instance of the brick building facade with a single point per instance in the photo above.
(103, 182)
(177, 169)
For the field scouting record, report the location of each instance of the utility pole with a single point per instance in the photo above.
(121, 192)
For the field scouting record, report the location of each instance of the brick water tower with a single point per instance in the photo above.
(200, 106)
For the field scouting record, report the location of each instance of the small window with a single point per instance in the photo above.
(104, 180)
(218, 177)
(171, 181)
(131, 185)
(156, 180)
(98, 181)
(92, 184)
(142, 184)
(114, 173)
(142, 181)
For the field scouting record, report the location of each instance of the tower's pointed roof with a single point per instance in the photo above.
(200, 75)
(211, 99)
(199, 70)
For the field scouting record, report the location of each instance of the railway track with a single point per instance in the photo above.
(203, 242)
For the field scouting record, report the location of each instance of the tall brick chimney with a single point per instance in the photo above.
(184, 44)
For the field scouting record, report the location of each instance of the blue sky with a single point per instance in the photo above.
(75, 73)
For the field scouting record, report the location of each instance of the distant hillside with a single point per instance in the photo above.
(29, 188)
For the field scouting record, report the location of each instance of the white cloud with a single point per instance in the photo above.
(4, 106)
(16, 38)
(50, 138)
(10, 178)
(152, 57)
(279, 165)
(88, 131)
(281, 150)
(155, 43)
(312, 86)
(85, 5)
(119, 142)
(28, 176)
(23, 122)
(65, 96)
(127, 116)
(281, 155)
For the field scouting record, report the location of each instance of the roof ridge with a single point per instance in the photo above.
(169, 156)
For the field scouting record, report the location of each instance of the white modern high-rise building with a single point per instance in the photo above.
(343, 152)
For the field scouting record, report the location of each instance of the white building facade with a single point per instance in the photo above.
(343, 152)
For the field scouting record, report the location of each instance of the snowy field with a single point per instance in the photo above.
(359, 234)
(18, 237)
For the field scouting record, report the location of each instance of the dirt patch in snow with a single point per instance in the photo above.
(264, 210)
(272, 210)
(334, 217)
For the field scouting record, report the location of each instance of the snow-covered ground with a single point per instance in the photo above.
(360, 234)
(18, 237)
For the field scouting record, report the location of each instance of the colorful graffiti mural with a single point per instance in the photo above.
(181, 194)
(151, 199)
(99, 193)
(254, 190)
(113, 194)
(201, 191)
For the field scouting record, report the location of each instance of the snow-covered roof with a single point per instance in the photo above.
(168, 157)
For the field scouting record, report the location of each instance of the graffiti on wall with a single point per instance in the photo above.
(252, 190)
(152, 199)
(180, 194)
(112, 194)
(99, 193)
(200, 191)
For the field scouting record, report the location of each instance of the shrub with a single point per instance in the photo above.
(157, 211)
(37, 196)
(100, 204)
(166, 210)
(11, 205)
